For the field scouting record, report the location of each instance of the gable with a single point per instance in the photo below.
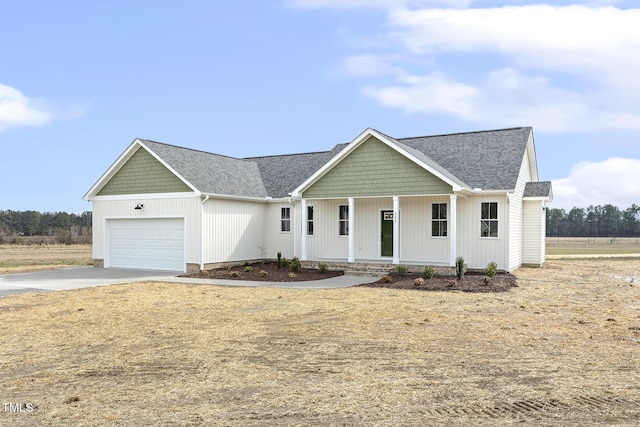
(143, 174)
(374, 169)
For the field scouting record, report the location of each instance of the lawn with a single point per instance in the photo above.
(23, 258)
(562, 348)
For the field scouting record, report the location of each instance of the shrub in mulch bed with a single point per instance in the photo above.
(470, 283)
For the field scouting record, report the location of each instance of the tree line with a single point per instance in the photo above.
(28, 227)
(594, 221)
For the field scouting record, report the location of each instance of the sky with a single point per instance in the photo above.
(79, 81)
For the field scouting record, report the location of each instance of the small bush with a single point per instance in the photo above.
(279, 264)
(386, 279)
(492, 269)
(246, 264)
(323, 268)
(292, 275)
(248, 268)
(295, 264)
(204, 272)
(234, 274)
(459, 268)
(401, 270)
(427, 272)
(419, 282)
(263, 273)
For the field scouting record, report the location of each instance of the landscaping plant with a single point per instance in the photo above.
(459, 268)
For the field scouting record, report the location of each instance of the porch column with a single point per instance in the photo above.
(303, 234)
(352, 227)
(396, 230)
(453, 226)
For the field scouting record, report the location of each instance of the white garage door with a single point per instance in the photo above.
(148, 244)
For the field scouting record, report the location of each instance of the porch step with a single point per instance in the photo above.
(366, 273)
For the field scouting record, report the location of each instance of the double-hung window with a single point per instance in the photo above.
(285, 220)
(343, 221)
(309, 220)
(489, 220)
(439, 220)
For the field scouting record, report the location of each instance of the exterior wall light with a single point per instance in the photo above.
(139, 206)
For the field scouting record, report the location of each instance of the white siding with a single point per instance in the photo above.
(176, 207)
(533, 233)
(479, 251)
(276, 240)
(233, 230)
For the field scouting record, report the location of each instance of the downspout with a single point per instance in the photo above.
(202, 232)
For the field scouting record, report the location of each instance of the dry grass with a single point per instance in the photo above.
(20, 259)
(561, 349)
(592, 246)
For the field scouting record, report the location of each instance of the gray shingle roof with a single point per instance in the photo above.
(489, 160)
(212, 173)
(283, 174)
(537, 189)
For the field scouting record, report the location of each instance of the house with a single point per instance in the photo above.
(378, 200)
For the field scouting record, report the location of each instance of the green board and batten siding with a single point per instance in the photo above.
(376, 170)
(143, 174)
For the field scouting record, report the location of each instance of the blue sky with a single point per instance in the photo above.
(79, 81)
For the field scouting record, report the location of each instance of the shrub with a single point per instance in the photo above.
(263, 273)
(292, 275)
(459, 268)
(401, 270)
(234, 274)
(246, 264)
(428, 272)
(323, 267)
(248, 268)
(279, 264)
(295, 264)
(492, 269)
(419, 282)
(204, 272)
(386, 279)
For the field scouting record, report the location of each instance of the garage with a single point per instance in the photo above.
(148, 244)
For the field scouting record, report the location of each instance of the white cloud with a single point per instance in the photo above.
(613, 181)
(562, 68)
(18, 110)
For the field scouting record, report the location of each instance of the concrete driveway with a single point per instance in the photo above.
(74, 278)
(87, 277)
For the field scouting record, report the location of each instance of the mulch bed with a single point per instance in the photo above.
(471, 282)
(257, 270)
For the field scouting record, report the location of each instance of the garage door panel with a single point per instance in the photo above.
(156, 244)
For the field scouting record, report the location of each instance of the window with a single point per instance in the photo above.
(309, 220)
(344, 220)
(489, 220)
(285, 220)
(439, 219)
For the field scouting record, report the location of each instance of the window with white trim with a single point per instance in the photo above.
(439, 220)
(309, 220)
(489, 219)
(343, 221)
(285, 220)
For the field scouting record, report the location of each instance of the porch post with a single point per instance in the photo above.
(453, 226)
(303, 234)
(351, 223)
(396, 230)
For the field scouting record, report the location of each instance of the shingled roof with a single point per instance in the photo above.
(489, 160)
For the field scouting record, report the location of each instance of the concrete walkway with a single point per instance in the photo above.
(85, 277)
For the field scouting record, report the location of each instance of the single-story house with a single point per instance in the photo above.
(377, 200)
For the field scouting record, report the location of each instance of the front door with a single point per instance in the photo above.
(386, 227)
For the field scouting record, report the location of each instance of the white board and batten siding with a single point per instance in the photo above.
(533, 232)
(234, 230)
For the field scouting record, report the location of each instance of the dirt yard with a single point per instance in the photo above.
(562, 348)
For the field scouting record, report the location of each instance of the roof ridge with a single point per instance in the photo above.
(463, 133)
(294, 154)
(191, 149)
